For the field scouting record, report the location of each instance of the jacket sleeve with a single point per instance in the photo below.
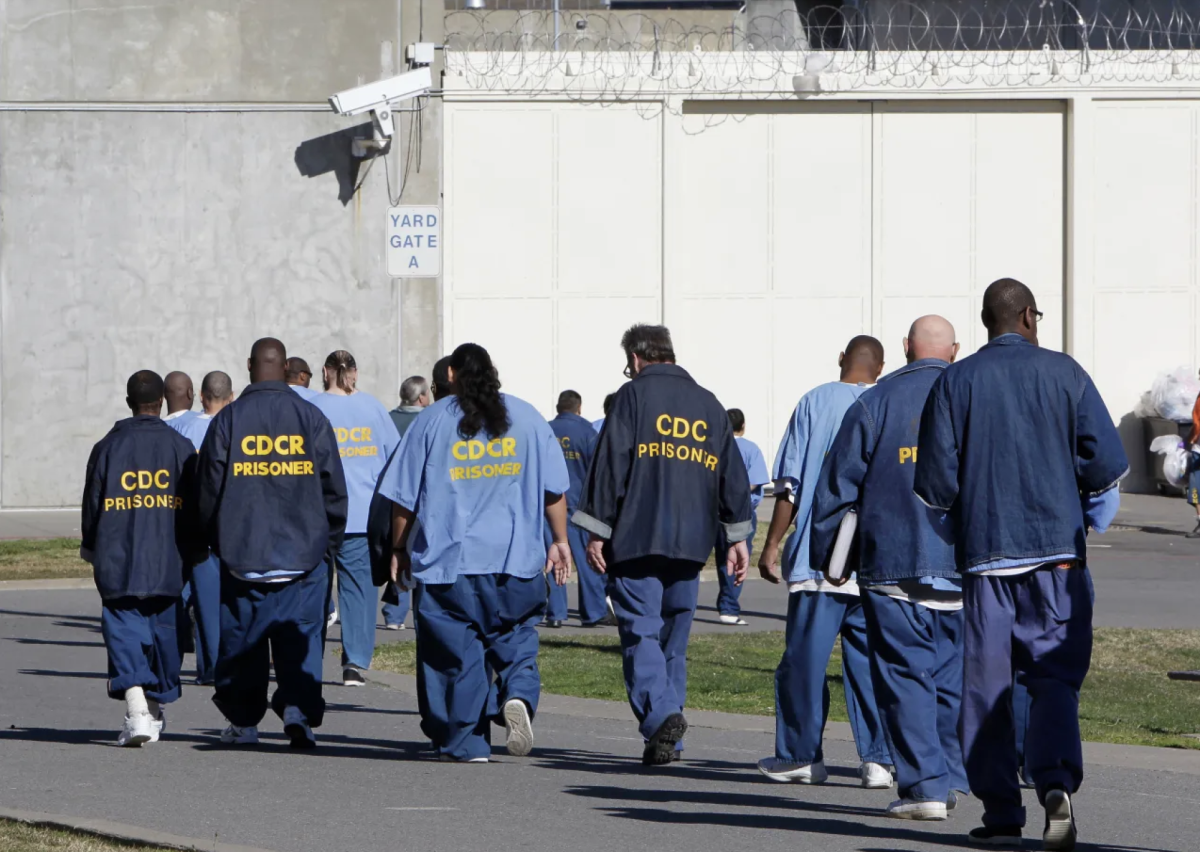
(1100, 461)
(333, 480)
(93, 493)
(608, 476)
(936, 479)
(734, 488)
(210, 476)
(839, 484)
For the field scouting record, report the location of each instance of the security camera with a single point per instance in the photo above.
(377, 98)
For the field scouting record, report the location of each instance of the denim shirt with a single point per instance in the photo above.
(1013, 442)
(870, 468)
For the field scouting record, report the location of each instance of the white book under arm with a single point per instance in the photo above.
(841, 547)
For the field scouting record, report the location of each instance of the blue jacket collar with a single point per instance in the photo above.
(570, 415)
(920, 364)
(1010, 339)
(663, 370)
(258, 387)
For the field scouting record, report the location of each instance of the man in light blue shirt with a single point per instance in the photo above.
(608, 404)
(478, 470)
(729, 607)
(203, 591)
(818, 612)
(298, 375)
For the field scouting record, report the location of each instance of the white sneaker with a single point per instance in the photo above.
(875, 776)
(393, 627)
(519, 727)
(157, 726)
(445, 758)
(793, 773)
(295, 725)
(331, 620)
(1060, 830)
(138, 729)
(612, 613)
(233, 735)
(732, 619)
(908, 809)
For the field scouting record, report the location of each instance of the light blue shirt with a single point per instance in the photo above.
(193, 428)
(1099, 512)
(598, 425)
(807, 440)
(366, 438)
(479, 503)
(305, 393)
(756, 469)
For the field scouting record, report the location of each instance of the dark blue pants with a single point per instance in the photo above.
(1020, 704)
(356, 601)
(729, 595)
(143, 650)
(916, 669)
(205, 601)
(814, 622)
(655, 602)
(592, 606)
(261, 623)
(1040, 624)
(478, 644)
(395, 613)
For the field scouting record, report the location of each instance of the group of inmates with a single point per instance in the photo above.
(964, 606)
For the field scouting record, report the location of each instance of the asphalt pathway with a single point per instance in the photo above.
(372, 786)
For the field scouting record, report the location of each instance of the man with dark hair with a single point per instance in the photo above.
(273, 505)
(298, 374)
(729, 608)
(597, 425)
(139, 536)
(578, 442)
(441, 379)
(202, 593)
(179, 394)
(414, 395)
(1018, 447)
(665, 475)
(818, 611)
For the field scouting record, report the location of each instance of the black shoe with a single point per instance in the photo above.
(661, 748)
(352, 677)
(607, 621)
(554, 622)
(995, 835)
(1060, 821)
(1194, 533)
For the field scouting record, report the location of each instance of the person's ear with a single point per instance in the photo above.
(953, 353)
(879, 370)
(129, 403)
(841, 358)
(904, 343)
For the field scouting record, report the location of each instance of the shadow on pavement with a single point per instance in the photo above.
(52, 673)
(74, 616)
(606, 763)
(68, 643)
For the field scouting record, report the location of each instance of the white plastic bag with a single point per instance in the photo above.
(1174, 394)
(1176, 458)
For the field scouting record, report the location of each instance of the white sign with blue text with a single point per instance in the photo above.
(414, 242)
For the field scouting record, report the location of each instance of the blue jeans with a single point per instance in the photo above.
(206, 604)
(356, 601)
(143, 650)
(478, 644)
(1039, 624)
(729, 595)
(916, 669)
(655, 602)
(263, 623)
(592, 605)
(814, 621)
(395, 613)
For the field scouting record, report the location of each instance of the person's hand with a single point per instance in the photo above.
(768, 564)
(837, 581)
(558, 562)
(737, 562)
(401, 570)
(595, 555)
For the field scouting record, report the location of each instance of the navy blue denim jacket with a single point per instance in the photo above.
(1013, 441)
(870, 468)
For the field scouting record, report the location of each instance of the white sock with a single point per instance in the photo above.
(153, 707)
(135, 701)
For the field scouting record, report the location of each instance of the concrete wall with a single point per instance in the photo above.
(143, 237)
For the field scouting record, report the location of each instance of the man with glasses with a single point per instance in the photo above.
(666, 472)
(1018, 447)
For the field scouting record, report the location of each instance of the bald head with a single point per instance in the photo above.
(268, 361)
(862, 361)
(1010, 308)
(931, 337)
(216, 392)
(178, 392)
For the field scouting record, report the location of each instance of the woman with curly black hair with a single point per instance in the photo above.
(479, 470)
